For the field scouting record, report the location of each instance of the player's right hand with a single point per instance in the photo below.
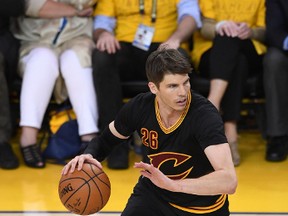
(77, 163)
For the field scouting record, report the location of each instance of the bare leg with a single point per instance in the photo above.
(30, 151)
(28, 136)
(232, 137)
(217, 90)
(88, 137)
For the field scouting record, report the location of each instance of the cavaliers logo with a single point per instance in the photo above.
(161, 159)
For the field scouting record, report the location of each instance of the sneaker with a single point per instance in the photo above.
(235, 153)
(8, 159)
(276, 150)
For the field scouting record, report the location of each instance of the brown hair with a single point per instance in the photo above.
(166, 61)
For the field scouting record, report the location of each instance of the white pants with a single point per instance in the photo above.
(41, 71)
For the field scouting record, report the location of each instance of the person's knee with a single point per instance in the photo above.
(103, 64)
(101, 58)
(225, 39)
(69, 62)
(43, 58)
(43, 53)
(274, 64)
(274, 56)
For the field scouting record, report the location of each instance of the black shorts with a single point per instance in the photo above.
(144, 202)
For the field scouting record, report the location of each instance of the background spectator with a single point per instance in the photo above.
(8, 63)
(227, 49)
(190, 170)
(126, 33)
(276, 79)
(55, 49)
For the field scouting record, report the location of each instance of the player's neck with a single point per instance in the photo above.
(169, 118)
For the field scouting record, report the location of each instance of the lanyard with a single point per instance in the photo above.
(153, 13)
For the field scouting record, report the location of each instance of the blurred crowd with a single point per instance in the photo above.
(82, 50)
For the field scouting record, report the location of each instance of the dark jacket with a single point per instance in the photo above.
(9, 46)
(276, 22)
(10, 8)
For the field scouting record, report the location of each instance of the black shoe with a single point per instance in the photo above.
(277, 149)
(119, 157)
(8, 159)
(32, 156)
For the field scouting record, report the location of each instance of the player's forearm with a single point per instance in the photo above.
(101, 146)
(184, 30)
(218, 182)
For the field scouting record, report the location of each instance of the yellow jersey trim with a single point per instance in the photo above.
(178, 122)
(204, 210)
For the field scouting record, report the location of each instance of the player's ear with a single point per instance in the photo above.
(153, 88)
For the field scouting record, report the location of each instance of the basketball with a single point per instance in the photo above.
(86, 191)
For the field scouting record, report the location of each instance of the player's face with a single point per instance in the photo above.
(173, 92)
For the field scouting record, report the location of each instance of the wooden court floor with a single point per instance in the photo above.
(262, 190)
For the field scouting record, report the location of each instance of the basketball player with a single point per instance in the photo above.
(189, 169)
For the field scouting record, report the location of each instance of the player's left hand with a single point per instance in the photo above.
(155, 175)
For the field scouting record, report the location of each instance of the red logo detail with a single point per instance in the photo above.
(159, 159)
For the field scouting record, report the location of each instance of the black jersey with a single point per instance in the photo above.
(178, 151)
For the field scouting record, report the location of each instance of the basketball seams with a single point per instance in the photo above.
(93, 171)
(99, 190)
(69, 178)
(98, 186)
(88, 198)
(101, 180)
(80, 186)
(91, 178)
(97, 175)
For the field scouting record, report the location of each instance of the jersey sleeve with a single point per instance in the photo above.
(129, 117)
(210, 127)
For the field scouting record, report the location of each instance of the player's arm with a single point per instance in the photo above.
(101, 146)
(97, 150)
(222, 181)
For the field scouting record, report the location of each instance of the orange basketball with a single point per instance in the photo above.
(86, 191)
